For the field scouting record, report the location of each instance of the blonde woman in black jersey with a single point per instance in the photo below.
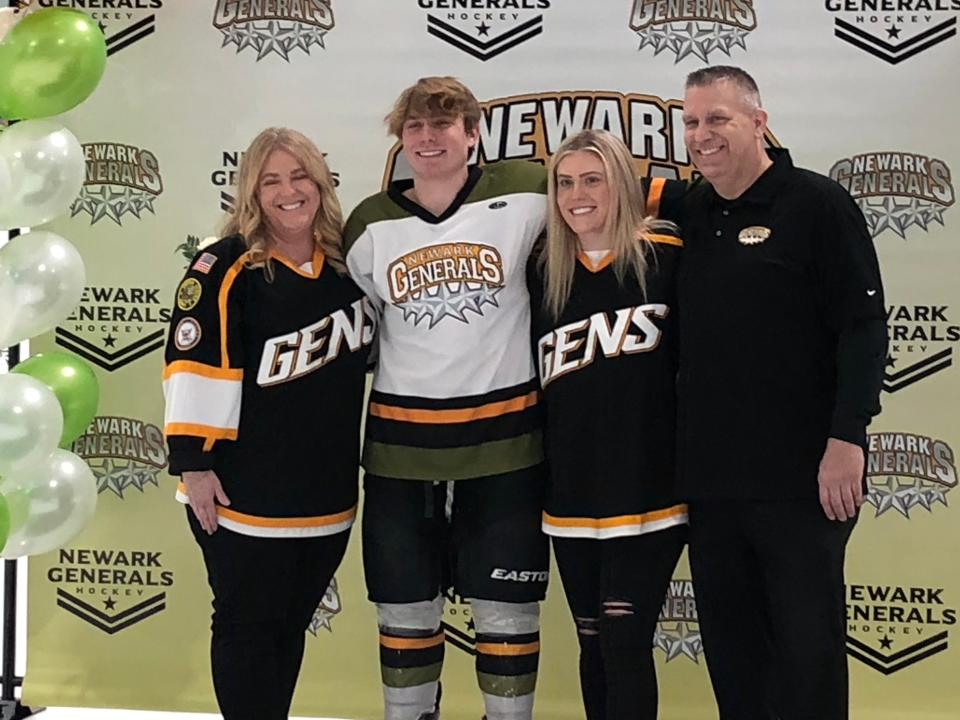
(604, 317)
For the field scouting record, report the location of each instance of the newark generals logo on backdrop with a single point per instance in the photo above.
(891, 627)
(896, 190)
(111, 589)
(278, 27)
(922, 339)
(696, 28)
(531, 127)
(894, 30)
(123, 22)
(115, 326)
(484, 28)
(678, 631)
(907, 472)
(458, 626)
(121, 180)
(328, 608)
(123, 453)
(224, 178)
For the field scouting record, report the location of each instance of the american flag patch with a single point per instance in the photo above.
(204, 263)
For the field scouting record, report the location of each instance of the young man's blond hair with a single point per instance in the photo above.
(432, 97)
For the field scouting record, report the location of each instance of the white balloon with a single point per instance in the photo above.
(48, 278)
(8, 307)
(31, 422)
(49, 504)
(47, 168)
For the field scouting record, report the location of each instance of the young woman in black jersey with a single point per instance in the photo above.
(604, 317)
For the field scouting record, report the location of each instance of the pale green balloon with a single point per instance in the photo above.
(44, 165)
(60, 497)
(31, 422)
(8, 308)
(48, 278)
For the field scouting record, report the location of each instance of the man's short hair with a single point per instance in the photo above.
(738, 76)
(431, 97)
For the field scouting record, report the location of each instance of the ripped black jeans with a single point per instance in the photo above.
(615, 589)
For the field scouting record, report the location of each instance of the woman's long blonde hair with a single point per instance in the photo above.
(247, 220)
(626, 224)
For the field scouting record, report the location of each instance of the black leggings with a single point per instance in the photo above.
(615, 589)
(265, 592)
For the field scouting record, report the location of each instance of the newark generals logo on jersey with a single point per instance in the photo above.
(123, 453)
(121, 180)
(693, 28)
(531, 127)
(678, 631)
(123, 22)
(896, 190)
(922, 339)
(891, 627)
(894, 30)
(484, 29)
(111, 589)
(906, 472)
(273, 27)
(450, 280)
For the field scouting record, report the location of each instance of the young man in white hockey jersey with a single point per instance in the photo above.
(453, 454)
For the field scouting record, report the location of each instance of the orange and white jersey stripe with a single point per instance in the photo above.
(614, 527)
(202, 401)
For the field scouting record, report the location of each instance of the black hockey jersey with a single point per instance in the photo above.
(264, 384)
(607, 368)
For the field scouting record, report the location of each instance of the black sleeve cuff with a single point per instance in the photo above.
(186, 454)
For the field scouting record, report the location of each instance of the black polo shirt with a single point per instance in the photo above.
(782, 334)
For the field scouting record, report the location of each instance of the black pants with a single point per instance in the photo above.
(768, 578)
(615, 589)
(265, 591)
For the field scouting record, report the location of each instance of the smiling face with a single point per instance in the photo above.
(724, 135)
(437, 147)
(583, 197)
(289, 198)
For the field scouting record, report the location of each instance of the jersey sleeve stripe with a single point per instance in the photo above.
(665, 239)
(196, 368)
(438, 417)
(222, 299)
(197, 430)
(654, 195)
(195, 400)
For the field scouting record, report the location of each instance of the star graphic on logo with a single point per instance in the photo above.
(109, 603)
(447, 302)
(116, 477)
(893, 32)
(109, 341)
(108, 202)
(678, 640)
(273, 37)
(692, 38)
(890, 361)
(483, 29)
(893, 494)
(898, 217)
(885, 642)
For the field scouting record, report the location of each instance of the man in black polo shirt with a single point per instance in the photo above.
(782, 347)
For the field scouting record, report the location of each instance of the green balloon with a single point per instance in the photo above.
(4, 522)
(73, 382)
(52, 60)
